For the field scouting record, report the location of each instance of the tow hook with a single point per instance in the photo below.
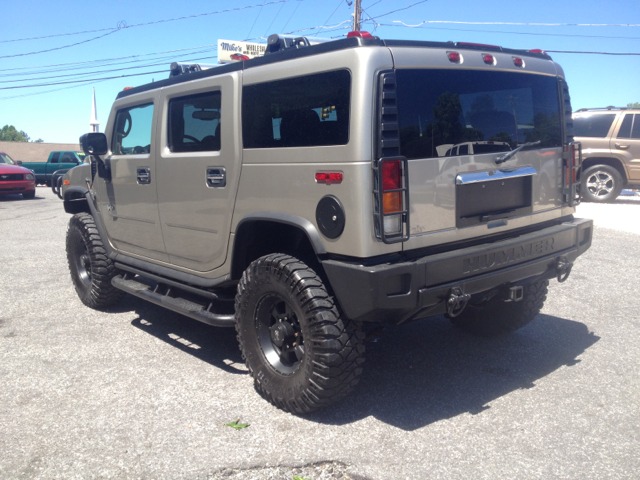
(563, 268)
(457, 301)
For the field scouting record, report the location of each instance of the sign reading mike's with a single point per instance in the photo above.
(234, 51)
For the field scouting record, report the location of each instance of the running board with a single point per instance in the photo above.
(177, 304)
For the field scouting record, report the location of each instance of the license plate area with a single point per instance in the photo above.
(480, 202)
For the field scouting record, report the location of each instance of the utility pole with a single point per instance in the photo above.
(357, 15)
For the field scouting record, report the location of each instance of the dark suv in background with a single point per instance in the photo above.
(610, 140)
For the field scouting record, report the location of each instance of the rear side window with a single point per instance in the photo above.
(132, 131)
(630, 127)
(297, 112)
(595, 126)
(194, 123)
(55, 158)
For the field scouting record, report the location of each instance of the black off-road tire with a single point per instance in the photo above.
(91, 270)
(497, 317)
(29, 195)
(277, 291)
(601, 184)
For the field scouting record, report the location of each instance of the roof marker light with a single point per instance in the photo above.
(488, 59)
(518, 62)
(454, 57)
(537, 50)
(467, 44)
(361, 34)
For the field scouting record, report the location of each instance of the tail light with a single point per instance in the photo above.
(572, 166)
(393, 202)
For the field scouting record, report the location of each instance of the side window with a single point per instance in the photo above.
(132, 131)
(55, 158)
(595, 126)
(68, 158)
(630, 127)
(463, 150)
(194, 123)
(306, 111)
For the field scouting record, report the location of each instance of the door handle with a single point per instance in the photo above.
(144, 176)
(621, 147)
(216, 177)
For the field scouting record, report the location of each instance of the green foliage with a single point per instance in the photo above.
(236, 425)
(8, 133)
(633, 105)
(295, 477)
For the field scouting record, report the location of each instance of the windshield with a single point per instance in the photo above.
(441, 108)
(4, 158)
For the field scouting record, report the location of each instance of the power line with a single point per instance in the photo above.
(294, 12)
(124, 25)
(534, 24)
(400, 9)
(274, 19)
(58, 48)
(402, 24)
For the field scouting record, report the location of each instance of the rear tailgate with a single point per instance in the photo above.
(456, 118)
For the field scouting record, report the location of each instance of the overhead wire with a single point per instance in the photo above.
(150, 23)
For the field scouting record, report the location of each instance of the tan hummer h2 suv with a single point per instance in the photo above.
(324, 206)
(610, 139)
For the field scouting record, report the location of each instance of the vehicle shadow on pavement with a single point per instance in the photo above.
(430, 371)
(216, 346)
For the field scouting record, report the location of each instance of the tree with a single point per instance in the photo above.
(633, 105)
(8, 133)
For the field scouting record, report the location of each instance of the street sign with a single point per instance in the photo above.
(234, 51)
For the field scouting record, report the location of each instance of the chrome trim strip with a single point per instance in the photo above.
(476, 177)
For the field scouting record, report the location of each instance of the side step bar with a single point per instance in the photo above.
(177, 304)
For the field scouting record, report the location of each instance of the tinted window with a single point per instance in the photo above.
(479, 148)
(440, 107)
(55, 158)
(194, 123)
(630, 127)
(297, 112)
(68, 158)
(132, 132)
(593, 125)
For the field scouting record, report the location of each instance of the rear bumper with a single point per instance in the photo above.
(394, 293)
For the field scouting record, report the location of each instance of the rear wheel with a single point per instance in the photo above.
(300, 353)
(91, 270)
(601, 183)
(498, 317)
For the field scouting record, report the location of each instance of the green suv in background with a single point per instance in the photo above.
(610, 139)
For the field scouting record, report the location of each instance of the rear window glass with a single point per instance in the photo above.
(297, 112)
(593, 125)
(442, 110)
(194, 123)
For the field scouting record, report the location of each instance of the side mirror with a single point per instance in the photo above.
(94, 143)
(18, 162)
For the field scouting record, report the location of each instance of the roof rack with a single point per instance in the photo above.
(179, 68)
(601, 108)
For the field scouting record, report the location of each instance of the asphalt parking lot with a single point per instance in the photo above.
(140, 392)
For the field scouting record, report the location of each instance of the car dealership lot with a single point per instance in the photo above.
(140, 392)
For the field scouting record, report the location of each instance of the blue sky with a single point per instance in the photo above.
(57, 113)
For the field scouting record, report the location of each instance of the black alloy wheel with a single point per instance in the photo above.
(301, 354)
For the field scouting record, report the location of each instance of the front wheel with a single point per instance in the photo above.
(301, 354)
(498, 317)
(601, 183)
(91, 270)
